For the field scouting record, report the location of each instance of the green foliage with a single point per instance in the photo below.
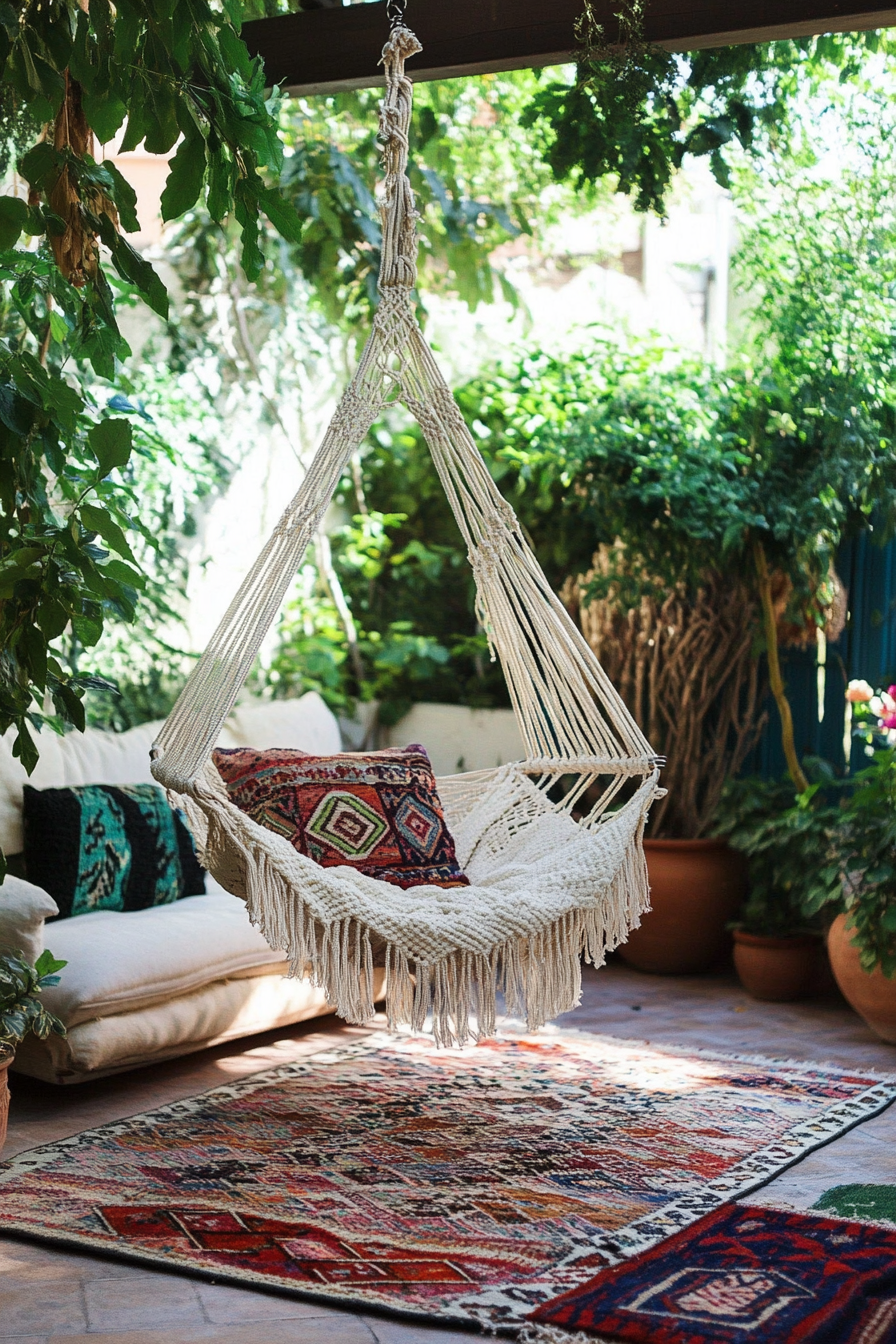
(865, 854)
(177, 466)
(477, 183)
(21, 1011)
(827, 850)
(408, 583)
(635, 111)
(786, 837)
(69, 525)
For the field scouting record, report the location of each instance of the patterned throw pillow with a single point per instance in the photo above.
(105, 847)
(376, 811)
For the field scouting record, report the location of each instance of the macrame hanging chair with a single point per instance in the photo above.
(552, 845)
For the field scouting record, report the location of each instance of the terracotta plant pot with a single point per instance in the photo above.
(777, 969)
(696, 889)
(5, 1062)
(871, 994)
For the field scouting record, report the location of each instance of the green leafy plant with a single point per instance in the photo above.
(21, 1011)
(787, 839)
(863, 858)
(633, 111)
(69, 514)
(814, 854)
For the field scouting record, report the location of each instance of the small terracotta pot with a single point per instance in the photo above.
(872, 995)
(777, 969)
(5, 1062)
(696, 889)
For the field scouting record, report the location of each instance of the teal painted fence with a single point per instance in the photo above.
(867, 648)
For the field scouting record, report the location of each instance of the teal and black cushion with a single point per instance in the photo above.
(108, 847)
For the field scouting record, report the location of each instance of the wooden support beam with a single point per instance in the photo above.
(327, 49)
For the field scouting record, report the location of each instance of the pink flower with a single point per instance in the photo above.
(859, 692)
(888, 721)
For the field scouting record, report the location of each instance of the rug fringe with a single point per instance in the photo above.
(539, 975)
(536, 1333)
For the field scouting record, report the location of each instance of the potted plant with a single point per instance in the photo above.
(860, 892)
(785, 837)
(823, 855)
(21, 1012)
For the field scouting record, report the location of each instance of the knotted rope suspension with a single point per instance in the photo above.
(547, 882)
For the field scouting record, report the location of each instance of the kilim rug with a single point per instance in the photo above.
(458, 1185)
(742, 1274)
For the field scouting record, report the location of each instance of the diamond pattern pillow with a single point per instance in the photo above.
(376, 811)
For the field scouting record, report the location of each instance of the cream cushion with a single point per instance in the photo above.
(121, 962)
(305, 725)
(146, 985)
(97, 757)
(23, 909)
(222, 1011)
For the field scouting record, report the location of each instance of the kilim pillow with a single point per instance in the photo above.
(105, 847)
(376, 811)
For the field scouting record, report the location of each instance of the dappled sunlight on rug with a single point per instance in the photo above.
(465, 1185)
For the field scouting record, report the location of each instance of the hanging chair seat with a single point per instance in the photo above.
(552, 845)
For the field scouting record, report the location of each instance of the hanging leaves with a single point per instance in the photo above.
(635, 111)
(168, 75)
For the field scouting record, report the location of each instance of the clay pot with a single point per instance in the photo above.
(777, 969)
(871, 994)
(5, 1062)
(696, 889)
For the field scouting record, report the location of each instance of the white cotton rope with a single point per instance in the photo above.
(547, 884)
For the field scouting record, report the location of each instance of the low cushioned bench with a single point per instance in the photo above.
(147, 985)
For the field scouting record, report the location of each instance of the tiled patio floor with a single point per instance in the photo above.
(48, 1295)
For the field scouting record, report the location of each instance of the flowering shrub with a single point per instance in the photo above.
(873, 714)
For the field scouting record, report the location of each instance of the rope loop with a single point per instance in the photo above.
(398, 263)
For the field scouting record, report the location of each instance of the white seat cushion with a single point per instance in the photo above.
(123, 961)
(97, 757)
(222, 1011)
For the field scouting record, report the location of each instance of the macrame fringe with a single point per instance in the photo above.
(539, 975)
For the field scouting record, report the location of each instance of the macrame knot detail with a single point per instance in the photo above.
(448, 409)
(353, 416)
(394, 318)
(401, 46)
(487, 556)
(398, 264)
(431, 421)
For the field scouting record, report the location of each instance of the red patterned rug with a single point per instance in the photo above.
(743, 1274)
(458, 1185)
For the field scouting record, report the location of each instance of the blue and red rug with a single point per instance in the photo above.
(744, 1274)
(470, 1186)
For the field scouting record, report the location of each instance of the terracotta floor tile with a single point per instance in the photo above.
(224, 1305)
(343, 1329)
(57, 1308)
(387, 1331)
(29, 1262)
(142, 1302)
